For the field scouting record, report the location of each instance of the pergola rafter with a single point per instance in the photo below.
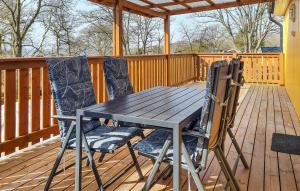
(163, 8)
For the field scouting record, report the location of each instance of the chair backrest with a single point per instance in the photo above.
(240, 82)
(237, 82)
(218, 92)
(72, 88)
(116, 77)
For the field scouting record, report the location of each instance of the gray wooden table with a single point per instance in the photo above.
(165, 107)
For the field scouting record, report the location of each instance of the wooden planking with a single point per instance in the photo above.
(46, 100)
(9, 107)
(271, 163)
(247, 147)
(35, 101)
(289, 129)
(239, 130)
(31, 176)
(256, 181)
(296, 126)
(287, 180)
(1, 126)
(210, 177)
(259, 68)
(23, 97)
(153, 66)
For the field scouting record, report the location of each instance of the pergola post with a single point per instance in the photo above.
(167, 47)
(117, 29)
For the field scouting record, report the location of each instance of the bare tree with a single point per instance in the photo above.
(188, 35)
(61, 21)
(20, 16)
(247, 26)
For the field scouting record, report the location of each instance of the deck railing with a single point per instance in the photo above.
(259, 68)
(26, 97)
(27, 104)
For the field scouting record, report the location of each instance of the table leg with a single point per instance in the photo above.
(78, 150)
(177, 139)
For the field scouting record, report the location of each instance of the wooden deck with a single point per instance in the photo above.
(264, 109)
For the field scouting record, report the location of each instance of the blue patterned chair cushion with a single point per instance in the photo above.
(107, 139)
(116, 77)
(72, 89)
(201, 122)
(153, 143)
(117, 81)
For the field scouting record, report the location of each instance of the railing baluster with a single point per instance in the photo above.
(9, 108)
(35, 101)
(23, 98)
(46, 101)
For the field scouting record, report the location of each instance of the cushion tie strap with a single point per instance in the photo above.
(229, 76)
(217, 100)
(235, 83)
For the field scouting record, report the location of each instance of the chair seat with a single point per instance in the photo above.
(108, 139)
(152, 146)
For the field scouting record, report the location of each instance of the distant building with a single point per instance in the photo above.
(270, 49)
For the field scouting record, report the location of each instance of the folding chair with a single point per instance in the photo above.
(72, 89)
(197, 144)
(237, 83)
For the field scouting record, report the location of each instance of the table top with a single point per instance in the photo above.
(168, 107)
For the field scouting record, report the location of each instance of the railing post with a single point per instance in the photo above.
(281, 69)
(167, 47)
(198, 60)
(117, 29)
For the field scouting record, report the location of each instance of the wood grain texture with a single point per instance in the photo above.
(23, 98)
(9, 106)
(29, 170)
(35, 101)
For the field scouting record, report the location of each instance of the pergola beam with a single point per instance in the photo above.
(167, 35)
(214, 7)
(117, 29)
(167, 47)
(148, 11)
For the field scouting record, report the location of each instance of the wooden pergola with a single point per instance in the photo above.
(163, 9)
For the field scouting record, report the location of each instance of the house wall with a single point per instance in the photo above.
(292, 55)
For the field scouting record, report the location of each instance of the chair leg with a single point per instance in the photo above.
(155, 168)
(135, 161)
(59, 157)
(238, 149)
(142, 135)
(168, 173)
(92, 162)
(192, 169)
(102, 155)
(226, 169)
(87, 160)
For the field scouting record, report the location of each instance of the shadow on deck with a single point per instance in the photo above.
(264, 109)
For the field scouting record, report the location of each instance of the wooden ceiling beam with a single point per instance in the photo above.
(216, 6)
(132, 8)
(145, 10)
(182, 4)
(210, 2)
(153, 5)
(148, 12)
(176, 3)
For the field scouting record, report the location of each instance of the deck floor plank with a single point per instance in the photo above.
(239, 133)
(286, 174)
(264, 109)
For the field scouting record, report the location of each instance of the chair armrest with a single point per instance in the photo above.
(195, 134)
(71, 117)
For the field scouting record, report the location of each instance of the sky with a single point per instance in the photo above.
(175, 20)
